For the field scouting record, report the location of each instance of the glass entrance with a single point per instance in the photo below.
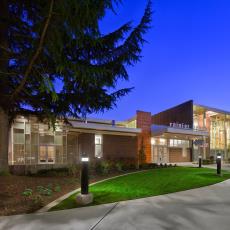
(160, 154)
(46, 154)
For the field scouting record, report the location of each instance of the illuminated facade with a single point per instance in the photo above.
(178, 134)
(217, 123)
(34, 145)
(197, 129)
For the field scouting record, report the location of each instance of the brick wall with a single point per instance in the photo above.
(115, 147)
(86, 144)
(123, 148)
(144, 121)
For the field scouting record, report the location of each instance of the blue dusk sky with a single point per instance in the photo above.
(187, 56)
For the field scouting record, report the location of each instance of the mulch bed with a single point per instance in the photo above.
(11, 187)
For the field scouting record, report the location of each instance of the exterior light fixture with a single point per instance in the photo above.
(200, 161)
(85, 159)
(218, 164)
(84, 197)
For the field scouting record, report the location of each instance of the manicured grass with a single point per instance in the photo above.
(148, 183)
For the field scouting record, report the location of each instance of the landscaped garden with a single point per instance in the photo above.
(148, 183)
(26, 194)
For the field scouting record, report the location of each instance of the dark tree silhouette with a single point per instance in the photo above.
(45, 42)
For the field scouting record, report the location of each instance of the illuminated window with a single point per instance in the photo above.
(98, 146)
(153, 141)
(179, 143)
(162, 141)
(46, 154)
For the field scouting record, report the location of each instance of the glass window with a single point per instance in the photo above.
(19, 125)
(27, 128)
(42, 154)
(153, 141)
(162, 141)
(19, 157)
(98, 146)
(179, 143)
(58, 140)
(98, 139)
(19, 137)
(47, 154)
(50, 154)
(46, 139)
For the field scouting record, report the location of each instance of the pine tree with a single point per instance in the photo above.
(45, 42)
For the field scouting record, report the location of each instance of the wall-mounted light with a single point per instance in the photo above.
(85, 159)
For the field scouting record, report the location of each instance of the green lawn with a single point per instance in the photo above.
(148, 183)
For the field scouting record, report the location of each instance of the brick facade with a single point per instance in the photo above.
(115, 147)
(120, 148)
(144, 121)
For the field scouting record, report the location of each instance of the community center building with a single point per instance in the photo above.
(179, 134)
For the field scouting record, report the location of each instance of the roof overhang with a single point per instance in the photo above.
(207, 108)
(102, 129)
(158, 130)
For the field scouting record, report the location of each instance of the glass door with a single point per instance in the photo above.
(46, 154)
(162, 155)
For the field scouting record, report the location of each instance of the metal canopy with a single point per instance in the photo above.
(167, 131)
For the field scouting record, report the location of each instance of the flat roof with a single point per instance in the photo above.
(94, 127)
(212, 109)
(161, 129)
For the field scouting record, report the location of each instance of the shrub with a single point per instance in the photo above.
(4, 173)
(44, 191)
(119, 166)
(74, 170)
(53, 172)
(206, 162)
(46, 172)
(212, 159)
(145, 166)
(36, 203)
(57, 188)
(103, 167)
(152, 165)
(27, 192)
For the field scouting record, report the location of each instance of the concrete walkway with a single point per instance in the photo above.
(204, 208)
(211, 166)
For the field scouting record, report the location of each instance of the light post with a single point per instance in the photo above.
(218, 164)
(200, 161)
(85, 175)
(84, 197)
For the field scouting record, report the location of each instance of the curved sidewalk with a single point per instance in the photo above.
(203, 208)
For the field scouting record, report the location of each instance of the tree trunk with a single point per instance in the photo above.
(4, 140)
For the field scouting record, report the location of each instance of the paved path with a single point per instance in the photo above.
(198, 209)
(212, 166)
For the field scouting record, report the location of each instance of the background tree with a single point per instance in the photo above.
(45, 44)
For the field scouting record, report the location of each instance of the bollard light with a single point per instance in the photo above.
(84, 197)
(85, 174)
(200, 161)
(218, 164)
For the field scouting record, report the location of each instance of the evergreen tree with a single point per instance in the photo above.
(50, 41)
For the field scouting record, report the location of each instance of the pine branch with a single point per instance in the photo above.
(36, 54)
